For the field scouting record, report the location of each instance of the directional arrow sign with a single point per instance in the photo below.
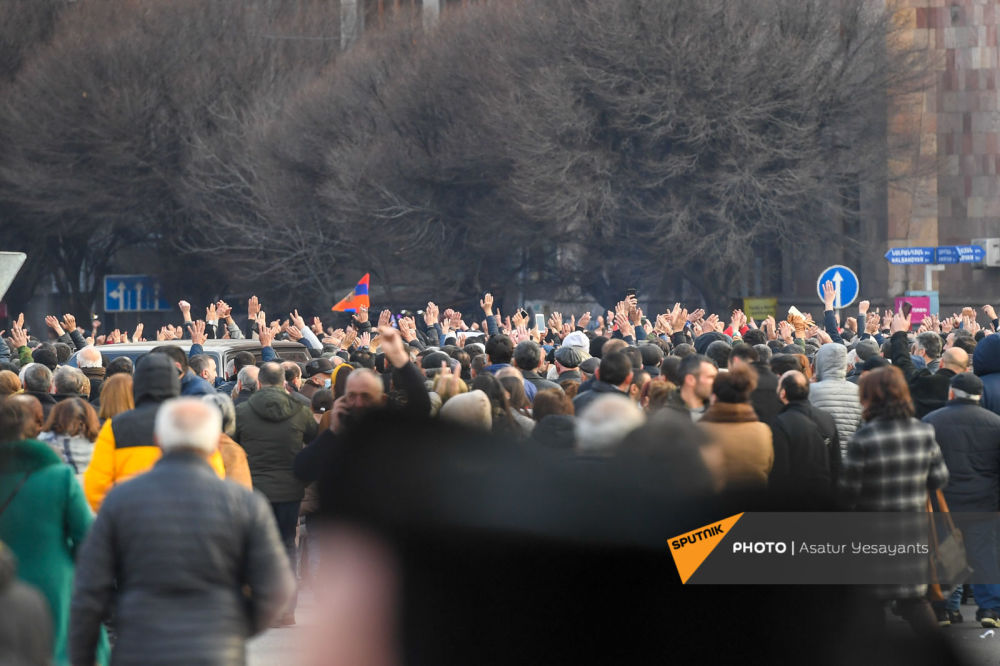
(844, 280)
(960, 254)
(910, 255)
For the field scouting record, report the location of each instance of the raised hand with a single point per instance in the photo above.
(362, 314)
(18, 336)
(335, 337)
(624, 325)
(829, 294)
(385, 318)
(185, 310)
(487, 304)
(555, 322)
(785, 331)
(294, 332)
(137, 335)
(317, 326)
(863, 307)
(69, 322)
(253, 307)
(211, 313)
(990, 312)
(115, 336)
(393, 346)
(584, 320)
(223, 310)
(53, 323)
(349, 337)
(408, 329)
(198, 336)
(265, 334)
(900, 323)
(431, 313)
(365, 340)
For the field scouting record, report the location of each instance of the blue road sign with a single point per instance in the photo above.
(910, 255)
(844, 280)
(960, 254)
(133, 293)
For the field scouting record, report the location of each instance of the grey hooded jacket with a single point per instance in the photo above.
(833, 394)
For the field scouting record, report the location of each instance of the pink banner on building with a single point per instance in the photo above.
(921, 308)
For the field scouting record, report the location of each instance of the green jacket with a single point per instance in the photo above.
(44, 526)
(272, 427)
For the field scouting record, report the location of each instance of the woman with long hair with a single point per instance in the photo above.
(71, 431)
(116, 396)
(892, 461)
(503, 419)
(520, 406)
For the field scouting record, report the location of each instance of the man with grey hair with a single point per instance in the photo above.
(530, 360)
(70, 382)
(969, 437)
(91, 363)
(246, 384)
(192, 565)
(272, 427)
(928, 385)
(37, 381)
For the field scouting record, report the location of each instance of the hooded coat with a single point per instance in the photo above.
(125, 445)
(45, 525)
(986, 365)
(272, 427)
(833, 394)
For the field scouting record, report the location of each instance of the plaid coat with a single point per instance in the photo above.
(890, 466)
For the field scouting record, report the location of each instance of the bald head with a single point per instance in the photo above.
(364, 389)
(89, 357)
(793, 387)
(956, 359)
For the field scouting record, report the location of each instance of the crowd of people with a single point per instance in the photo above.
(871, 413)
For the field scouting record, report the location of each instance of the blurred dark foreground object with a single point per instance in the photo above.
(511, 554)
(25, 626)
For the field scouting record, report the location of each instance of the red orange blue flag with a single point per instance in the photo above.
(356, 298)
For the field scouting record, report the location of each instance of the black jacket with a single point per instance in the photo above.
(47, 399)
(806, 450)
(272, 427)
(969, 437)
(764, 399)
(409, 397)
(191, 574)
(597, 389)
(928, 390)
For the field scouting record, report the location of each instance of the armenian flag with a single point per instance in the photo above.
(354, 299)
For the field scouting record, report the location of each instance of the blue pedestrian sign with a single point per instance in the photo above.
(133, 293)
(844, 280)
(910, 255)
(960, 254)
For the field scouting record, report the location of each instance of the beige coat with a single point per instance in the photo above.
(234, 459)
(745, 443)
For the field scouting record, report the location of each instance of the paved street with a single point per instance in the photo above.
(974, 643)
(286, 646)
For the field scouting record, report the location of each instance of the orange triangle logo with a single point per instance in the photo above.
(690, 550)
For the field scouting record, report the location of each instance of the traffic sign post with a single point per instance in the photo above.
(910, 255)
(959, 254)
(844, 280)
(935, 258)
(133, 293)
